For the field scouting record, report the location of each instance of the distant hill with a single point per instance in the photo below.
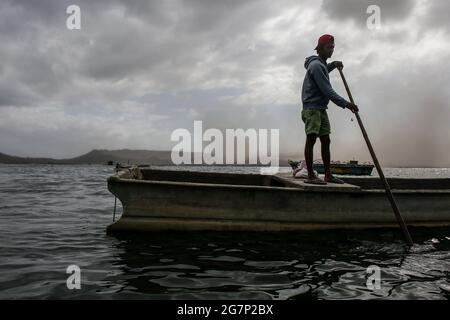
(99, 156)
(103, 156)
(4, 158)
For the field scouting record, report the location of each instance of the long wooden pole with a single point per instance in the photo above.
(389, 194)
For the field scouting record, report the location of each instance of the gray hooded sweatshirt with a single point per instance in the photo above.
(317, 90)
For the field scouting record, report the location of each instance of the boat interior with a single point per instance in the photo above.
(212, 177)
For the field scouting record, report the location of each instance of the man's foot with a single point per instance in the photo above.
(333, 179)
(315, 180)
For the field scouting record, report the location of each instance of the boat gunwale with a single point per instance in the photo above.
(215, 185)
(117, 179)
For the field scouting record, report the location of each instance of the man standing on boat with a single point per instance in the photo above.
(316, 93)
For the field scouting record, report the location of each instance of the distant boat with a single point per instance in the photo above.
(185, 200)
(351, 168)
(110, 163)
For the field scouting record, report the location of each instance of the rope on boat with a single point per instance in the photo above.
(115, 202)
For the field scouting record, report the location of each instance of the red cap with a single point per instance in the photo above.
(325, 39)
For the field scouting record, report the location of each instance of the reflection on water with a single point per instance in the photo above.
(55, 216)
(309, 265)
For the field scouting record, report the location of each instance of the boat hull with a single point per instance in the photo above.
(276, 204)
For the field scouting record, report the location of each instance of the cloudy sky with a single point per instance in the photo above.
(138, 69)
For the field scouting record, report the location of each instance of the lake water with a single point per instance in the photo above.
(54, 216)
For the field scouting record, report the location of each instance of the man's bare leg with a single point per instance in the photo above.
(325, 148)
(309, 153)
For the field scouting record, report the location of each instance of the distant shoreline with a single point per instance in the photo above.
(128, 157)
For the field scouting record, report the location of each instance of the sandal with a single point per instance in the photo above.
(333, 179)
(315, 180)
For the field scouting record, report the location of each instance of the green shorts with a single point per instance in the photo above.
(316, 121)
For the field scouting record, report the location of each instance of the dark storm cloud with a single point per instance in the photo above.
(11, 95)
(437, 15)
(188, 32)
(31, 55)
(357, 9)
(42, 11)
(165, 42)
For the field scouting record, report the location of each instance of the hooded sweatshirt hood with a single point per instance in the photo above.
(310, 59)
